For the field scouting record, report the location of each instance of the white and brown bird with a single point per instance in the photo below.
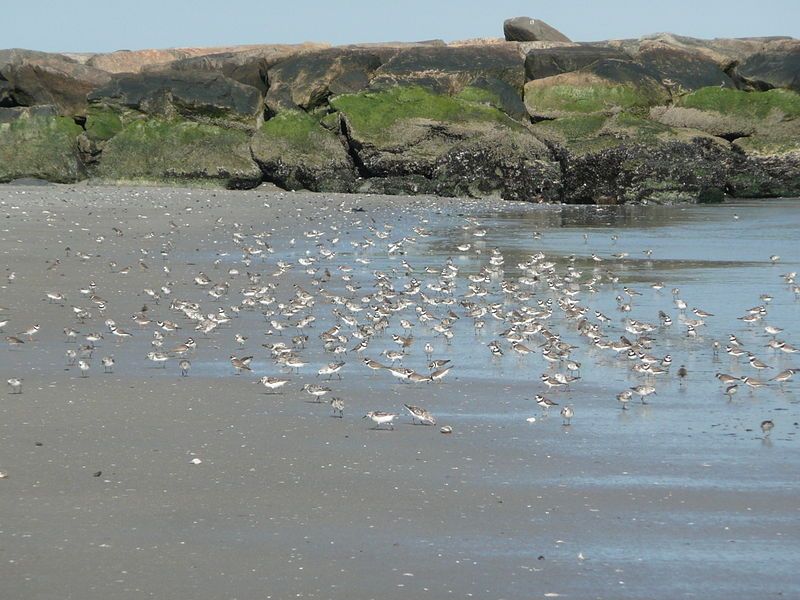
(420, 414)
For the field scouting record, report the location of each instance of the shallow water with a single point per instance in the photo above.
(291, 501)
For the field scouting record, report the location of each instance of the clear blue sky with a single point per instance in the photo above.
(99, 26)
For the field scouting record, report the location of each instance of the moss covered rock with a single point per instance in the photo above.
(175, 150)
(458, 146)
(296, 152)
(605, 87)
(40, 146)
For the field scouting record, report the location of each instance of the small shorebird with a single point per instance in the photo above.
(754, 383)
(766, 427)
(16, 385)
(380, 417)
(337, 404)
(108, 364)
(273, 383)
(643, 391)
(331, 369)
(241, 363)
(727, 379)
(317, 391)
(567, 413)
(682, 373)
(731, 390)
(544, 403)
(84, 367)
(440, 374)
(624, 397)
(184, 365)
(421, 415)
(784, 376)
(158, 357)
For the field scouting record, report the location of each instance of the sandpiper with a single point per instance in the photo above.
(331, 369)
(380, 417)
(273, 383)
(317, 391)
(731, 390)
(682, 373)
(108, 364)
(766, 427)
(420, 414)
(84, 367)
(643, 391)
(16, 385)
(184, 366)
(567, 413)
(337, 405)
(158, 357)
(624, 397)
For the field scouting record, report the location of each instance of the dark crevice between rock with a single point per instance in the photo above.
(733, 136)
(351, 148)
(561, 156)
(80, 121)
(539, 119)
(266, 175)
(743, 83)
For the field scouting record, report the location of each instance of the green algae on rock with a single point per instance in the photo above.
(296, 152)
(40, 146)
(175, 150)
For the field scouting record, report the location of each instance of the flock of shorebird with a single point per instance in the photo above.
(537, 306)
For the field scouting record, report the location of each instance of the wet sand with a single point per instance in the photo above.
(679, 498)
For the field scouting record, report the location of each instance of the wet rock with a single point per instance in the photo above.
(296, 152)
(525, 29)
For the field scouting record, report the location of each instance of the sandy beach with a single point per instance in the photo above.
(681, 498)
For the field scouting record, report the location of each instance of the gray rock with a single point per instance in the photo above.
(554, 61)
(203, 97)
(38, 78)
(776, 69)
(525, 29)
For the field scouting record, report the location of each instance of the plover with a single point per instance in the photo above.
(766, 427)
(241, 363)
(544, 403)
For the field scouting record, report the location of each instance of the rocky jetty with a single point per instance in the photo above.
(534, 117)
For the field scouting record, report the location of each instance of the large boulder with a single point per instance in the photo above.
(204, 97)
(774, 69)
(36, 143)
(606, 86)
(152, 149)
(296, 152)
(681, 70)
(547, 62)
(409, 140)
(525, 29)
(308, 80)
(38, 78)
(448, 70)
